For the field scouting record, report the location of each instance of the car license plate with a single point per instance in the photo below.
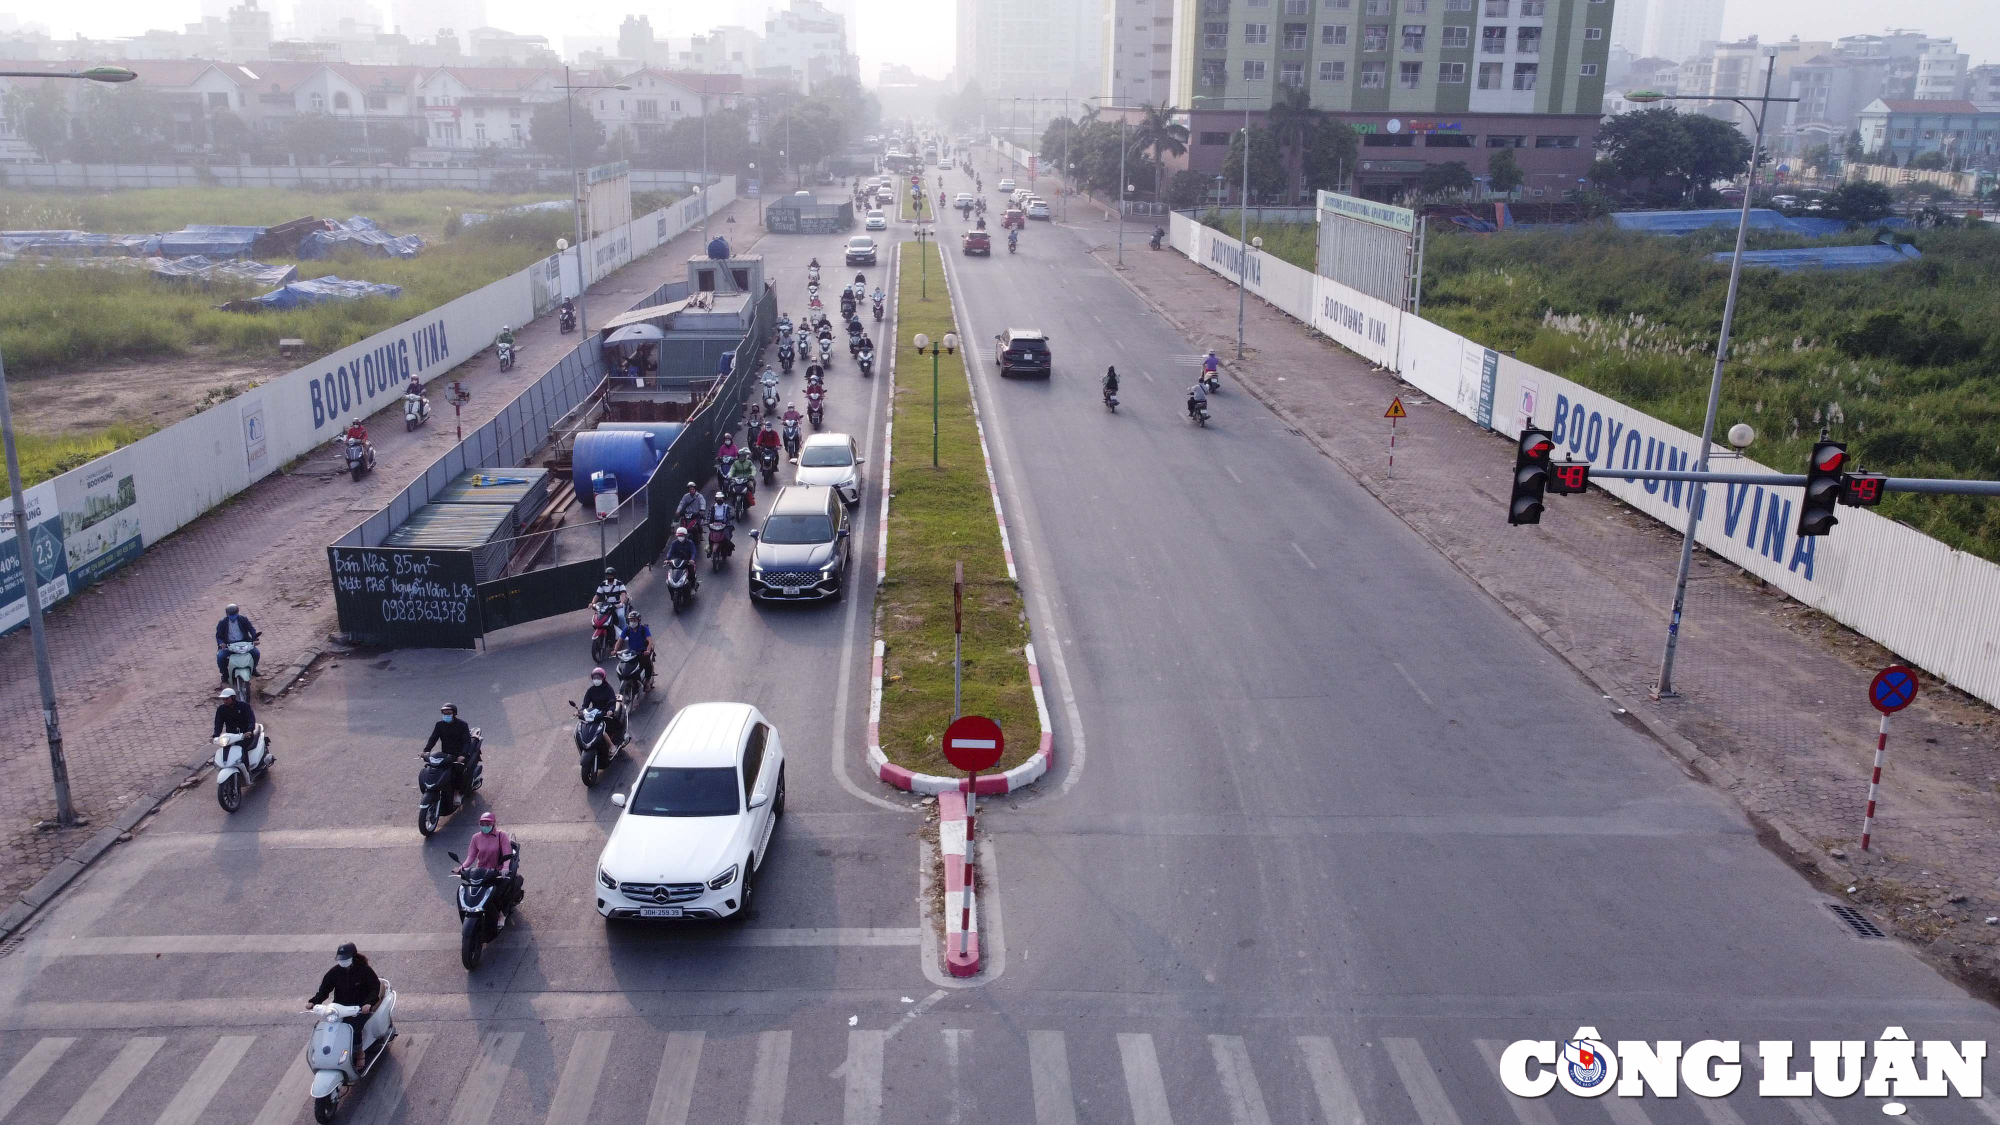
(791, 591)
(660, 912)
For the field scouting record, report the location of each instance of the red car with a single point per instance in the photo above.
(977, 242)
(1013, 218)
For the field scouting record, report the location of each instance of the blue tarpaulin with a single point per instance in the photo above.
(1871, 256)
(196, 267)
(1761, 218)
(77, 244)
(358, 235)
(209, 241)
(315, 291)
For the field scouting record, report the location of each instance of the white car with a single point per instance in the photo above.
(877, 221)
(1006, 187)
(962, 198)
(1037, 209)
(830, 459)
(696, 825)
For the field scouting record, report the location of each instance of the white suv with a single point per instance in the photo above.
(698, 822)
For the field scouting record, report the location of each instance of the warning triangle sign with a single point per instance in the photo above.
(1396, 409)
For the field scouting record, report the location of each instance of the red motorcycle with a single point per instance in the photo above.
(603, 630)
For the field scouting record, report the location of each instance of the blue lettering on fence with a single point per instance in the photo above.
(1595, 433)
(1802, 552)
(1577, 415)
(1677, 462)
(1631, 450)
(319, 406)
(1562, 418)
(1777, 520)
(1732, 508)
(349, 388)
(1612, 428)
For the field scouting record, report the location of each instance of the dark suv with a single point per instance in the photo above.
(1022, 351)
(801, 552)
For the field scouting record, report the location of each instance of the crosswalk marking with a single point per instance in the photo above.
(1143, 1084)
(1717, 1111)
(1624, 1111)
(1810, 1112)
(954, 1046)
(767, 1080)
(577, 1087)
(1420, 1082)
(1048, 1071)
(382, 1099)
(29, 1071)
(207, 1079)
(673, 1090)
(1988, 1111)
(863, 1104)
(481, 1089)
(1336, 1095)
(288, 1099)
(97, 1100)
(1530, 1111)
(1239, 1081)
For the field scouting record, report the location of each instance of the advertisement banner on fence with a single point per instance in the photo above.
(100, 517)
(1360, 323)
(256, 443)
(45, 539)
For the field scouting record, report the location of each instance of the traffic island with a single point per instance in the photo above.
(937, 517)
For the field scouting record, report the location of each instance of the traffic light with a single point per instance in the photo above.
(1823, 488)
(1531, 476)
(1569, 478)
(1862, 490)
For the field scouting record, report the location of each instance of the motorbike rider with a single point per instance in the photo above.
(792, 419)
(416, 386)
(613, 592)
(767, 438)
(569, 307)
(356, 430)
(1210, 364)
(1013, 236)
(232, 628)
(693, 503)
(1111, 380)
(233, 715)
(1158, 234)
(506, 335)
(682, 549)
(743, 472)
(637, 639)
(493, 850)
(601, 695)
(351, 981)
(1197, 397)
(877, 296)
(453, 735)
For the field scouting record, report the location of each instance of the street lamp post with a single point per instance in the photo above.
(31, 584)
(947, 345)
(1242, 214)
(704, 172)
(1665, 687)
(576, 192)
(923, 262)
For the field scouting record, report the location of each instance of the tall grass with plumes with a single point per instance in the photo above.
(152, 210)
(1297, 243)
(44, 456)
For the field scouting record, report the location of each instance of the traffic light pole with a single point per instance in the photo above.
(1797, 480)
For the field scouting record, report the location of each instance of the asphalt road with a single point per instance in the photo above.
(1324, 820)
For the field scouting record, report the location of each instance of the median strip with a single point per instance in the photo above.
(938, 517)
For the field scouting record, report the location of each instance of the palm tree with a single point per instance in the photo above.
(1292, 120)
(1157, 132)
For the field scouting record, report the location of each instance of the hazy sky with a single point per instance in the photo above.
(920, 35)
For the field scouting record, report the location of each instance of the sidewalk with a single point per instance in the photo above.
(1773, 704)
(134, 655)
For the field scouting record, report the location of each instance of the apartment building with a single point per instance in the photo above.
(807, 43)
(1898, 130)
(1682, 29)
(1422, 81)
(1915, 65)
(1138, 51)
(658, 98)
(1031, 49)
(1831, 91)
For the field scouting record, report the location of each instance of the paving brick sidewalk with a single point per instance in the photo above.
(134, 655)
(1773, 695)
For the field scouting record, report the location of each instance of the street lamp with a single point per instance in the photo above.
(1665, 688)
(947, 345)
(576, 192)
(31, 584)
(1123, 187)
(1242, 210)
(923, 262)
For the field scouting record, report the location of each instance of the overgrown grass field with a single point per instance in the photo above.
(43, 456)
(1297, 243)
(938, 517)
(149, 210)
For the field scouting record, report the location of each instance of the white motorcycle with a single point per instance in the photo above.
(506, 353)
(236, 767)
(331, 1053)
(416, 410)
(242, 658)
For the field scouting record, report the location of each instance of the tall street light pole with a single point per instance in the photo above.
(31, 579)
(1242, 215)
(576, 192)
(1665, 688)
(1123, 187)
(945, 346)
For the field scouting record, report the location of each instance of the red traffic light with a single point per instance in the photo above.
(1829, 456)
(1536, 444)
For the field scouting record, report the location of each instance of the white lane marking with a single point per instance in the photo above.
(1625, 1112)
(139, 945)
(954, 1042)
(1414, 684)
(1336, 1094)
(1988, 1111)
(206, 1081)
(480, 1091)
(29, 1070)
(767, 1079)
(1029, 553)
(110, 1085)
(1239, 1081)
(1531, 1111)
(1420, 1082)
(1143, 1085)
(1717, 1111)
(1232, 474)
(862, 1104)
(577, 1087)
(1048, 1071)
(1303, 558)
(673, 1090)
(288, 1099)
(1809, 1112)
(381, 1099)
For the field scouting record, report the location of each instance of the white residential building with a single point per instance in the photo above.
(1682, 29)
(1031, 49)
(1138, 37)
(1628, 25)
(807, 43)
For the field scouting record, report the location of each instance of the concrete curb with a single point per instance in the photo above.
(961, 898)
(289, 678)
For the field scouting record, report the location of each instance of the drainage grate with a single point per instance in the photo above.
(1858, 921)
(10, 946)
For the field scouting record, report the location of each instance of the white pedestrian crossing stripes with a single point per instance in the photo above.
(475, 1076)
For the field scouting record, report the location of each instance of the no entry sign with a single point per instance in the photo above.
(973, 743)
(1895, 687)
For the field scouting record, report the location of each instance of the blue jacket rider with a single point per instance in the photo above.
(232, 628)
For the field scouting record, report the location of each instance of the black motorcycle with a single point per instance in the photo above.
(442, 784)
(792, 440)
(878, 310)
(486, 898)
(785, 359)
(567, 321)
(599, 736)
(854, 344)
(767, 461)
(1158, 234)
(633, 682)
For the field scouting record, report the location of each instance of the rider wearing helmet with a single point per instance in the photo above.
(232, 628)
(352, 983)
(612, 592)
(682, 549)
(693, 503)
(637, 639)
(357, 431)
(491, 849)
(453, 735)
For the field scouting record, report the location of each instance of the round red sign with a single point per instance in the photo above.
(973, 743)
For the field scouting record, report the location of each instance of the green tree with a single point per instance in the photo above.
(1450, 176)
(549, 127)
(1293, 121)
(1267, 166)
(1818, 156)
(1185, 188)
(229, 136)
(1157, 132)
(121, 126)
(1059, 130)
(1330, 157)
(1852, 147)
(40, 117)
(1683, 151)
(1929, 162)
(312, 138)
(1859, 201)
(1504, 171)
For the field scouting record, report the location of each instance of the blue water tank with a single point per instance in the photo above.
(663, 433)
(625, 454)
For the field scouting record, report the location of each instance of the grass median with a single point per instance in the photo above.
(938, 517)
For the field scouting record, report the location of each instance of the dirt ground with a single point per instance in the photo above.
(159, 392)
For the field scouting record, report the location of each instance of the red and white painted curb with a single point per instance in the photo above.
(961, 898)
